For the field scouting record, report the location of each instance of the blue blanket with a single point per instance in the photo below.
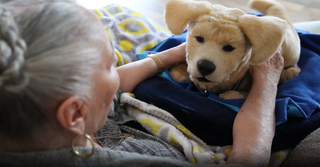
(211, 118)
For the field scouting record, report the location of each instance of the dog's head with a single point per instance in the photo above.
(222, 42)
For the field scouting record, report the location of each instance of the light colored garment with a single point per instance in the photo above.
(103, 157)
(142, 143)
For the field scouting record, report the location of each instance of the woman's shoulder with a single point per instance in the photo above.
(133, 139)
(101, 157)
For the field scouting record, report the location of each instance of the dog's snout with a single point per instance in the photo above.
(206, 67)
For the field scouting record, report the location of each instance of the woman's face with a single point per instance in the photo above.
(105, 85)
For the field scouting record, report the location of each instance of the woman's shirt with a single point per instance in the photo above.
(142, 142)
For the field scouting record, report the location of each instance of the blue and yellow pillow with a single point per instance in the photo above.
(130, 32)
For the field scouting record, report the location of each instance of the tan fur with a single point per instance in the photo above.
(255, 40)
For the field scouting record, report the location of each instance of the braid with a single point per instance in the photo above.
(12, 49)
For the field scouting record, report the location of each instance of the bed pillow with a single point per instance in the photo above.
(130, 32)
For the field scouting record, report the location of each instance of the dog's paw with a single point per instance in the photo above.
(289, 73)
(179, 77)
(179, 72)
(231, 94)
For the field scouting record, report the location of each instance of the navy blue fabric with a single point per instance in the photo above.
(211, 118)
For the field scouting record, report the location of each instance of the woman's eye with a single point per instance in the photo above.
(200, 39)
(228, 48)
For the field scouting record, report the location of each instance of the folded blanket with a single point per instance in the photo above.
(162, 124)
(297, 102)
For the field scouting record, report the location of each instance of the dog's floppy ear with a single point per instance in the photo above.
(266, 35)
(178, 13)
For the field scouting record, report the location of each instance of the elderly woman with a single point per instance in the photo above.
(58, 81)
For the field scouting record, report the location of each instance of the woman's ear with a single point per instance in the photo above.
(178, 13)
(71, 114)
(266, 35)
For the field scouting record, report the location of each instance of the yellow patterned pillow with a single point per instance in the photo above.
(130, 32)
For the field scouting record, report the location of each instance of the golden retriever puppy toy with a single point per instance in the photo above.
(223, 42)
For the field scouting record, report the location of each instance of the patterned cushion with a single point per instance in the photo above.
(130, 32)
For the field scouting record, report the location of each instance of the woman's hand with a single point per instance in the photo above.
(269, 71)
(254, 125)
(133, 73)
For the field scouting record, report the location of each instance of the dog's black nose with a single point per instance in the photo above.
(206, 67)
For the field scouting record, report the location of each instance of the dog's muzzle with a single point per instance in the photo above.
(206, 67)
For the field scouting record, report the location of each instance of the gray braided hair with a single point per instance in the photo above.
(12, 49)
(49, 51)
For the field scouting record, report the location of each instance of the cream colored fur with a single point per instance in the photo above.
(254, 39)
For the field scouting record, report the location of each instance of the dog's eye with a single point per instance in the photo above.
(228, 48)
(200, 39)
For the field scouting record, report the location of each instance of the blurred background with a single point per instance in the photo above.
(298, 10)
